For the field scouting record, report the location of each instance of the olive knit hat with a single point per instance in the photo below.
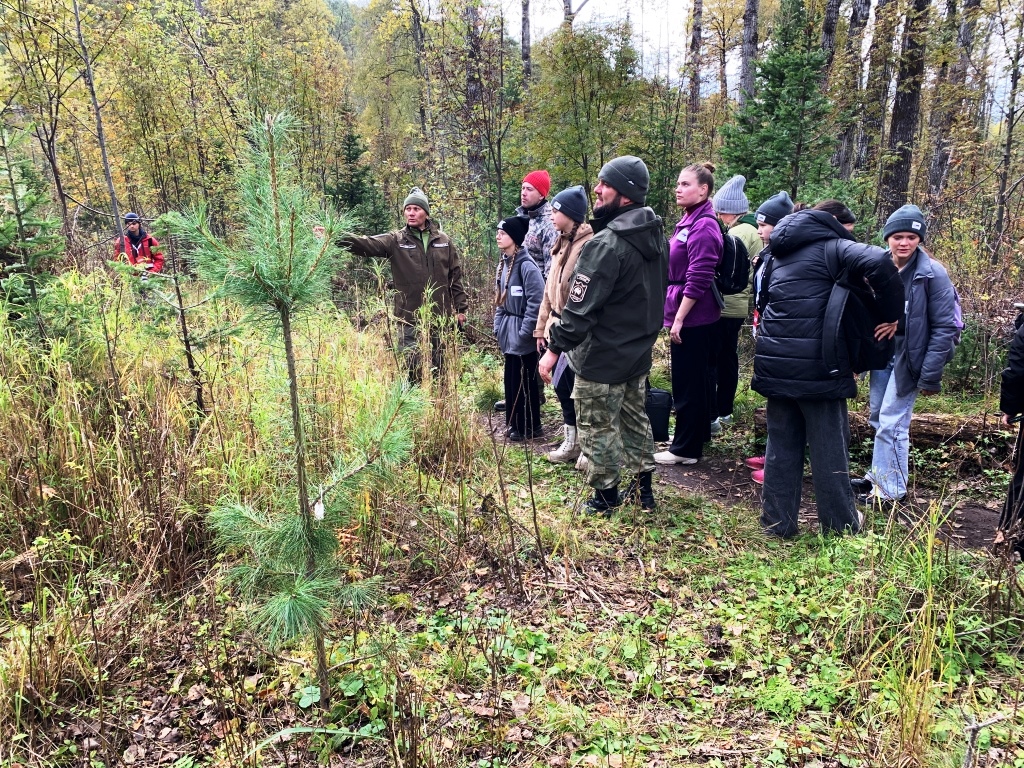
(417, 197)
(628, 176)
(906, 219)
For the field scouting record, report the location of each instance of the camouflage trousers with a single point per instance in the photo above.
(615, 433)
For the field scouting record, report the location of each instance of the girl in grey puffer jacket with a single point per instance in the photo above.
(518, 291)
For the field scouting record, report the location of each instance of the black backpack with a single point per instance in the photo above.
(849, 324)
(850, 318)
(732, 273)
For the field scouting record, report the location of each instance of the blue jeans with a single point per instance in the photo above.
(890, 417)
(822, 425)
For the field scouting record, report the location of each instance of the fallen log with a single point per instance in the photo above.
(981, 436)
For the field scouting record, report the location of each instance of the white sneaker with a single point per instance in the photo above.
(725, 421)
(716, 427)
(582, 463)
(667, 457)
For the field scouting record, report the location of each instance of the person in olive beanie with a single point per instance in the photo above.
(426, 269)
(416, 196)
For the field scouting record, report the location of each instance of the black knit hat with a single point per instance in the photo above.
(515, 227)
(572, 202)
(628, 176)
(774, 208)
(130, 217)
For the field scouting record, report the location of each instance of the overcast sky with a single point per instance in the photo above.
(659, 24)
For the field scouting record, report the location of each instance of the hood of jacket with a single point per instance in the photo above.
(800, 229)
(639, 226)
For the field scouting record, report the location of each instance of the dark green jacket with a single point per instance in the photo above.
(413, 269)
(616, 295)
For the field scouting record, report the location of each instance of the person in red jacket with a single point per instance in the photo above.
(142, 249)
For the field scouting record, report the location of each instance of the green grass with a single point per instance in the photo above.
(515, 631)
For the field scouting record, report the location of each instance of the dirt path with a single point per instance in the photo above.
(969, 522)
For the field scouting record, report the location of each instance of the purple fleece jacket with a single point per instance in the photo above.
(693, 254)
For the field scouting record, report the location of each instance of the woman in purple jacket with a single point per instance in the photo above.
(691, 309)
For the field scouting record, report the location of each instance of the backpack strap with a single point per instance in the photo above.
(763, 296)
(832, 322)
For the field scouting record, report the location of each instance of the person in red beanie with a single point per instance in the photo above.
(541, 237)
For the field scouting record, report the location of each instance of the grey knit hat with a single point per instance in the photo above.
(572, 202)
(417, 197)
(628, 176)
(730, 198)
(775, 208)
(907, 219)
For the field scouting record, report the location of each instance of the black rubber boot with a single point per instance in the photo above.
(603, 502)
(639, 491)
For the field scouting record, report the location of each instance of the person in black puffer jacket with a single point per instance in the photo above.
(806, 399)
(1011, 403)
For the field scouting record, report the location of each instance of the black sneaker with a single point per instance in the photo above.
(500, 406)
(514, 435)
(861, 485)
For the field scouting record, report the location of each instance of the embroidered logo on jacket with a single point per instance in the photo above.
(579, 288)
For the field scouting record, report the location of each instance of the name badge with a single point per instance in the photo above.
(683, 234)
(516, 290)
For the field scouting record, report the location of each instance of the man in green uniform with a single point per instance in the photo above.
(425, 268)
(607, 329)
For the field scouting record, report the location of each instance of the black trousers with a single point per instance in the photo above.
(724, 366)
(564, 392)
(690, 391)
(522, 394)
(1011, 522)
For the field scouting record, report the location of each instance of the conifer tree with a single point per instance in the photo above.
(277, 269)
(28, 234)
(780, 139)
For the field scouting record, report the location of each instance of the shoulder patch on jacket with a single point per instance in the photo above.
(579, 288)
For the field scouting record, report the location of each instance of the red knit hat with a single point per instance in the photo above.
(539, 180)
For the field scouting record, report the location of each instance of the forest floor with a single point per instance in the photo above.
(968, 509)
(517, 632)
